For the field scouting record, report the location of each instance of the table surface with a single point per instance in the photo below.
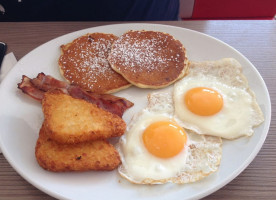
(255, 39)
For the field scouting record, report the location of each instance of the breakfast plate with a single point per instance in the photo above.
(21, 118)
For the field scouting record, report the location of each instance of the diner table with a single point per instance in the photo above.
(255, 39)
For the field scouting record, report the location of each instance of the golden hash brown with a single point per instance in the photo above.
(70, 120)
(91, 155)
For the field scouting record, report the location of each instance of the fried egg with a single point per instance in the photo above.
(215, 99)
(155, 149)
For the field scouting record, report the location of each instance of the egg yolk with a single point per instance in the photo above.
(164, 139)
(203, 101)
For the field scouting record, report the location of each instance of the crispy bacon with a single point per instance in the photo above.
(28, 88)
(36, 88)
(47, 82)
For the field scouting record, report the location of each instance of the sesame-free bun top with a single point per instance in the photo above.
(84, 62)
(148, 59)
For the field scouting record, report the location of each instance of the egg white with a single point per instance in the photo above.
(200, 157)
(240, 111)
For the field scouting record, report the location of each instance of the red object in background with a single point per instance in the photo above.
(235, 9)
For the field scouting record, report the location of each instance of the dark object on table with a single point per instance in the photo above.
(89, 10)
(3, 48)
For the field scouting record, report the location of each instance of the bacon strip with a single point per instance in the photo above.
(47, 82)
(36, 88)
(28, 88)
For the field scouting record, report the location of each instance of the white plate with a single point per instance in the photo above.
(21, 118)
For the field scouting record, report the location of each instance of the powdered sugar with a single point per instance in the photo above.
(85, 62)
(144, 52)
